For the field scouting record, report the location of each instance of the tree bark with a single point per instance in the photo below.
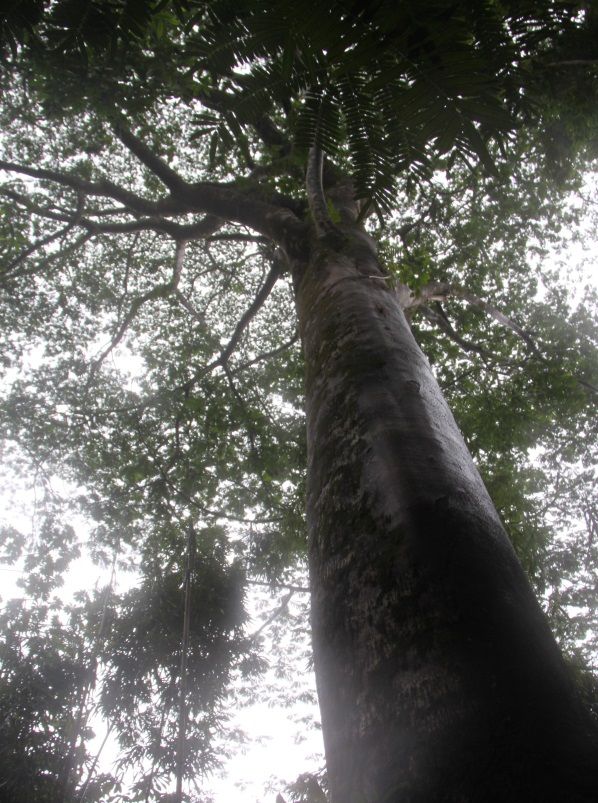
(438, 676)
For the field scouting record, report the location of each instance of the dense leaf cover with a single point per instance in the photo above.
(151, 360)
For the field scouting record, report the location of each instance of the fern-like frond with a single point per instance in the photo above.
(390, 85)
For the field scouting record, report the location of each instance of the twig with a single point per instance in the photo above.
(281, 586)
(284, 604)
(160, 291)
(257, 303)
(181, 742)
(266, 355)
(31, 249)
(443, 322)
(249, 314)
(92, 769)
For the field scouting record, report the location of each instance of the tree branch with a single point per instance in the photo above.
(160, 291)
(30, 206)
(205, 227)
(498, 316)
(276, 221)
(440, 291)
(270, 135)
(573, 63)
(239, 238)
(186, 304)
(264, 126)
(158, 166)
(315, 192)
(177, 185)
(279, 586)
(257, 303)
(50, 238)
(49, 258)
(267, 354)
(102, 188)
(281, 608)
(441, 320)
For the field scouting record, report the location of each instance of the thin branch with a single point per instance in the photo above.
(266, 355)
(103, 188)
(281, 608)
(441, 320)
(283, 166)
(94, 765)
(586, 385)
(270, 135)
(498, 316)
(280, 586)
(241, 238)
(440, 291)
(574, 63)
(31, 206)
(250, 429)
(443, 290)
(50, 238)
(249, 315)
(405, 230)
(160, 291)
(460, 377)
(89, 680)
(257, 303)
(220, 100)
(49, 258)
(191, 231)
(181, 741)
(189, 500)
(186, 304)
(149, 779)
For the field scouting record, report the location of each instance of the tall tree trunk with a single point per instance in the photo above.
(438, 677)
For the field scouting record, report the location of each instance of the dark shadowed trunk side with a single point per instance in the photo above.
(437, 674)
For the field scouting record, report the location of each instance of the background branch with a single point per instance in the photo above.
(271, 279)
(31, 249)
(438, 318)
(160, 291)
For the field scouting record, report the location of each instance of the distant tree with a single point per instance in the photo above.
(203, 185)
(43, 679)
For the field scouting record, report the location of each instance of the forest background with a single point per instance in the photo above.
(153, 395)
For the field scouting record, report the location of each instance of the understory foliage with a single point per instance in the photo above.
(152, 372)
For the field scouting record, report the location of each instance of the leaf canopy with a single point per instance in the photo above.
(151, 359)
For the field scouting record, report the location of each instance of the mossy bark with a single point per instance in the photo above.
(437, 674)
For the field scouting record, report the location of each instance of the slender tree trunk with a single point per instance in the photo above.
(437, 674)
